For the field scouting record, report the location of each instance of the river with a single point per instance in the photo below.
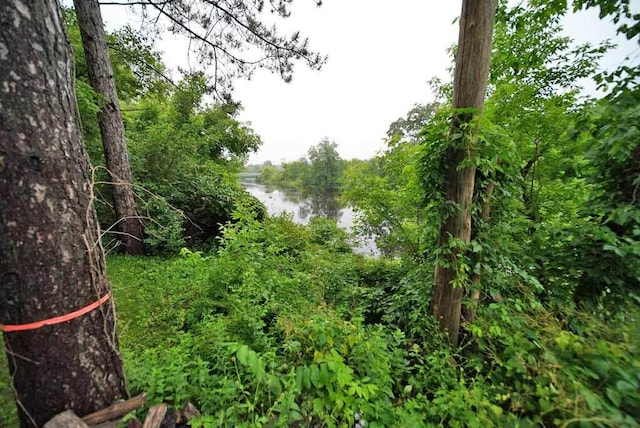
(303, 207)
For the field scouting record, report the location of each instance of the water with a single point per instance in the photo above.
(303, 207)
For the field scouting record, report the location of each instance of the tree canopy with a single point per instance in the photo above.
(230, 39)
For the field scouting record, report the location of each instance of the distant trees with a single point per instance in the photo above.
(320, 171)
(51, 258)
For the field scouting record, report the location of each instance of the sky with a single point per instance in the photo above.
(381, 57)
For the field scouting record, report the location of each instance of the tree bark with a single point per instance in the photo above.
(116, 156)
(51, 261)
(472, 70)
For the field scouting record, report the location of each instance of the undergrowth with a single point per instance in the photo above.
(277, 329)
(282, 325)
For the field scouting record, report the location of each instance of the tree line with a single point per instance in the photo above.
(320, 170)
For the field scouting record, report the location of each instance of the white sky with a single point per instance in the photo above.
(381, 56)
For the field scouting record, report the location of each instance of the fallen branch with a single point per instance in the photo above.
(155, 416)
(116, 410)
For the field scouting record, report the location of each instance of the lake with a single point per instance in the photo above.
(303, 207)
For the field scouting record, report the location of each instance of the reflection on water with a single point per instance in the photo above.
(303, 207)
(321, 205)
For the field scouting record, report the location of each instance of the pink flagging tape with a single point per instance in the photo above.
(55, 320)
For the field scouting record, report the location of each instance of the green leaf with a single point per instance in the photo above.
(593, 401)
(274, 385)
(243, 355)
(614, 396)
(299, 376)
(625, 387)
(497, 410)
(315, 375)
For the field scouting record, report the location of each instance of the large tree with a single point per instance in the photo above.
(111, 126)
(470, 82)
(51, 260)
(325, 166)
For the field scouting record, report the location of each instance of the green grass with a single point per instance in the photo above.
(8, 410)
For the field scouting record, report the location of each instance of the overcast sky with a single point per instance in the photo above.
(381, 56)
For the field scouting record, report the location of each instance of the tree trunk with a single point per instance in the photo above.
(472, 70)
(110, 121)
(51, 261)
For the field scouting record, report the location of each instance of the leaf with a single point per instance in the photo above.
(243, 354)
(315, 375)
(497, 410)
(306, 378)
(274, 385)
(324, 377)
(625, 387)
(614, 396)
(593, 401)
(299, 376)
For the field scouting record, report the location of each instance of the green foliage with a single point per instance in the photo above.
(408, 127)
(243, 329)
(8, 408)
(289, 174)
(584, 370)
(321, 172)
(189, 155)
(137, 65)
(531, 180)
(164, 232)
(281, 326)
(528, 48)
(326, 166)
(184, 154)
(385, 192)
(609, 243)
(326, 232)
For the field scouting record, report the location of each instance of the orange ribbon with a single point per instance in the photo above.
(55, 320)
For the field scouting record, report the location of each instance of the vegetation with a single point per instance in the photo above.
(101, 77)
(263, 322)
(321, 171)
(184, 154)
(283, 326)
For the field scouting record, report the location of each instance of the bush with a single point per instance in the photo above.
(278, 329)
